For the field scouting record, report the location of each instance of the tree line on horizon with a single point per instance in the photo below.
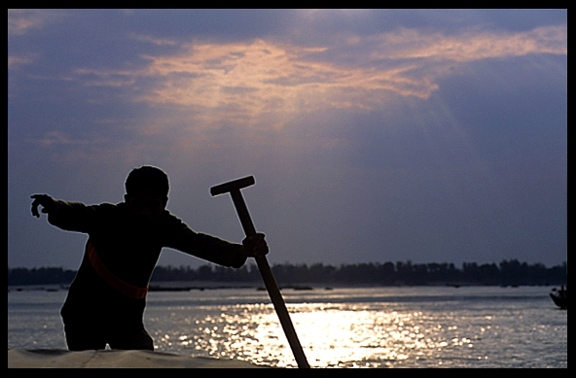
(507, 272)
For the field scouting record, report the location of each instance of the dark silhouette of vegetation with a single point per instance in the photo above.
(505, 273)
(40, 276)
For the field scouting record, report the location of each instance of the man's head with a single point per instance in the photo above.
(147, 191)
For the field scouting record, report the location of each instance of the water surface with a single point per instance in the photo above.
(466, 327)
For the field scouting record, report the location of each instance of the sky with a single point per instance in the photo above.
(373, 135)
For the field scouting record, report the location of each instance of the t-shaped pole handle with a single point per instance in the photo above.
(232, 185)
(234, 188)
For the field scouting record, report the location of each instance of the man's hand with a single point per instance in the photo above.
(255, 246)
(48, 204)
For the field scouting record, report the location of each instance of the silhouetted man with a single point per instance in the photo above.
(106, 300)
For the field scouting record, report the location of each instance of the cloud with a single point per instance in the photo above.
(185, 92)
(198, 92)
(247, 80)
(472, 46)
(57, 138)
(22, 21)
(15, 62)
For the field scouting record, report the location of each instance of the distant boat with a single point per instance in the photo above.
(560, 297)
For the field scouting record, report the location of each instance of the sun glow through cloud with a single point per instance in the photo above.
(251, 82)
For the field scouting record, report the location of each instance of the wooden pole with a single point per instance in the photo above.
(270, 282)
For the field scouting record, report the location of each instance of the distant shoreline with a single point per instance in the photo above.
(302, 277)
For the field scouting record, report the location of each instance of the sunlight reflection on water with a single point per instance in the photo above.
(423, 331)
(332, 336)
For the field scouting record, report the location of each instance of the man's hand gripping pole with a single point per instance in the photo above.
(233, 187)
